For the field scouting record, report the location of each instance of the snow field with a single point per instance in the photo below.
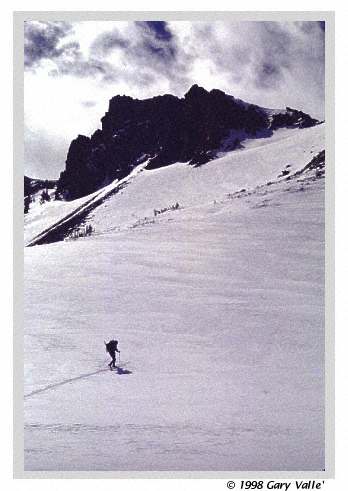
(220, 318)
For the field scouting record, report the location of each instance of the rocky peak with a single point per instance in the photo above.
(195, 92)
(166, 129)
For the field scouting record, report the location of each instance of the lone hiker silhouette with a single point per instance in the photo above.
(111, 348)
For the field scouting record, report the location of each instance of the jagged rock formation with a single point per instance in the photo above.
(165, 130)
(291, 118)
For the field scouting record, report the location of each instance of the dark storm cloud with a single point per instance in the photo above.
(84, 68)
(267, 75)
(148, 45)
(157, 51)
(163, 52)
(154, 43)
(285, 50)
(42, 39)
(274, 57)
(264, 58)
(108, 41)
(159, 28)
(80, 68)
(146, 51)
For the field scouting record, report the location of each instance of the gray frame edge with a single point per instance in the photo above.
(18, 255)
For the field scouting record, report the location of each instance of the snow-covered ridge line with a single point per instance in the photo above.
(58, 230)
(260, 162)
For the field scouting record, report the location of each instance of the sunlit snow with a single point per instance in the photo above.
(218, 307)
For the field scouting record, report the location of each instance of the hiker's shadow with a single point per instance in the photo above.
(122, 371)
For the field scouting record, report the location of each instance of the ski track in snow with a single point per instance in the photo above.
(220, 310)
(68, 381)
(119, 370)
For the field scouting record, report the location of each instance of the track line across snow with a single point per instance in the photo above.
(67, 381)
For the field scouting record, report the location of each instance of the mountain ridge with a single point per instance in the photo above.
(164, 130)
(134, 200)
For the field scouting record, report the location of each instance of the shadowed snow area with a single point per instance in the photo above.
(218, 307)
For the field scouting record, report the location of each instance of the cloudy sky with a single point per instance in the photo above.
(73, 69)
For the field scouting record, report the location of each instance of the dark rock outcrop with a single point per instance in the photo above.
(291, 118)
(32, 186)
(164, 130)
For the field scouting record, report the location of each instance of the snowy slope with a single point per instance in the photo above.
(261, 161)
(50, 215)
(43, 216)
(219, 311)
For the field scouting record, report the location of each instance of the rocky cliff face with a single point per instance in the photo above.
(166, 129)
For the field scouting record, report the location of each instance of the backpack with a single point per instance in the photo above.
(111, 346)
